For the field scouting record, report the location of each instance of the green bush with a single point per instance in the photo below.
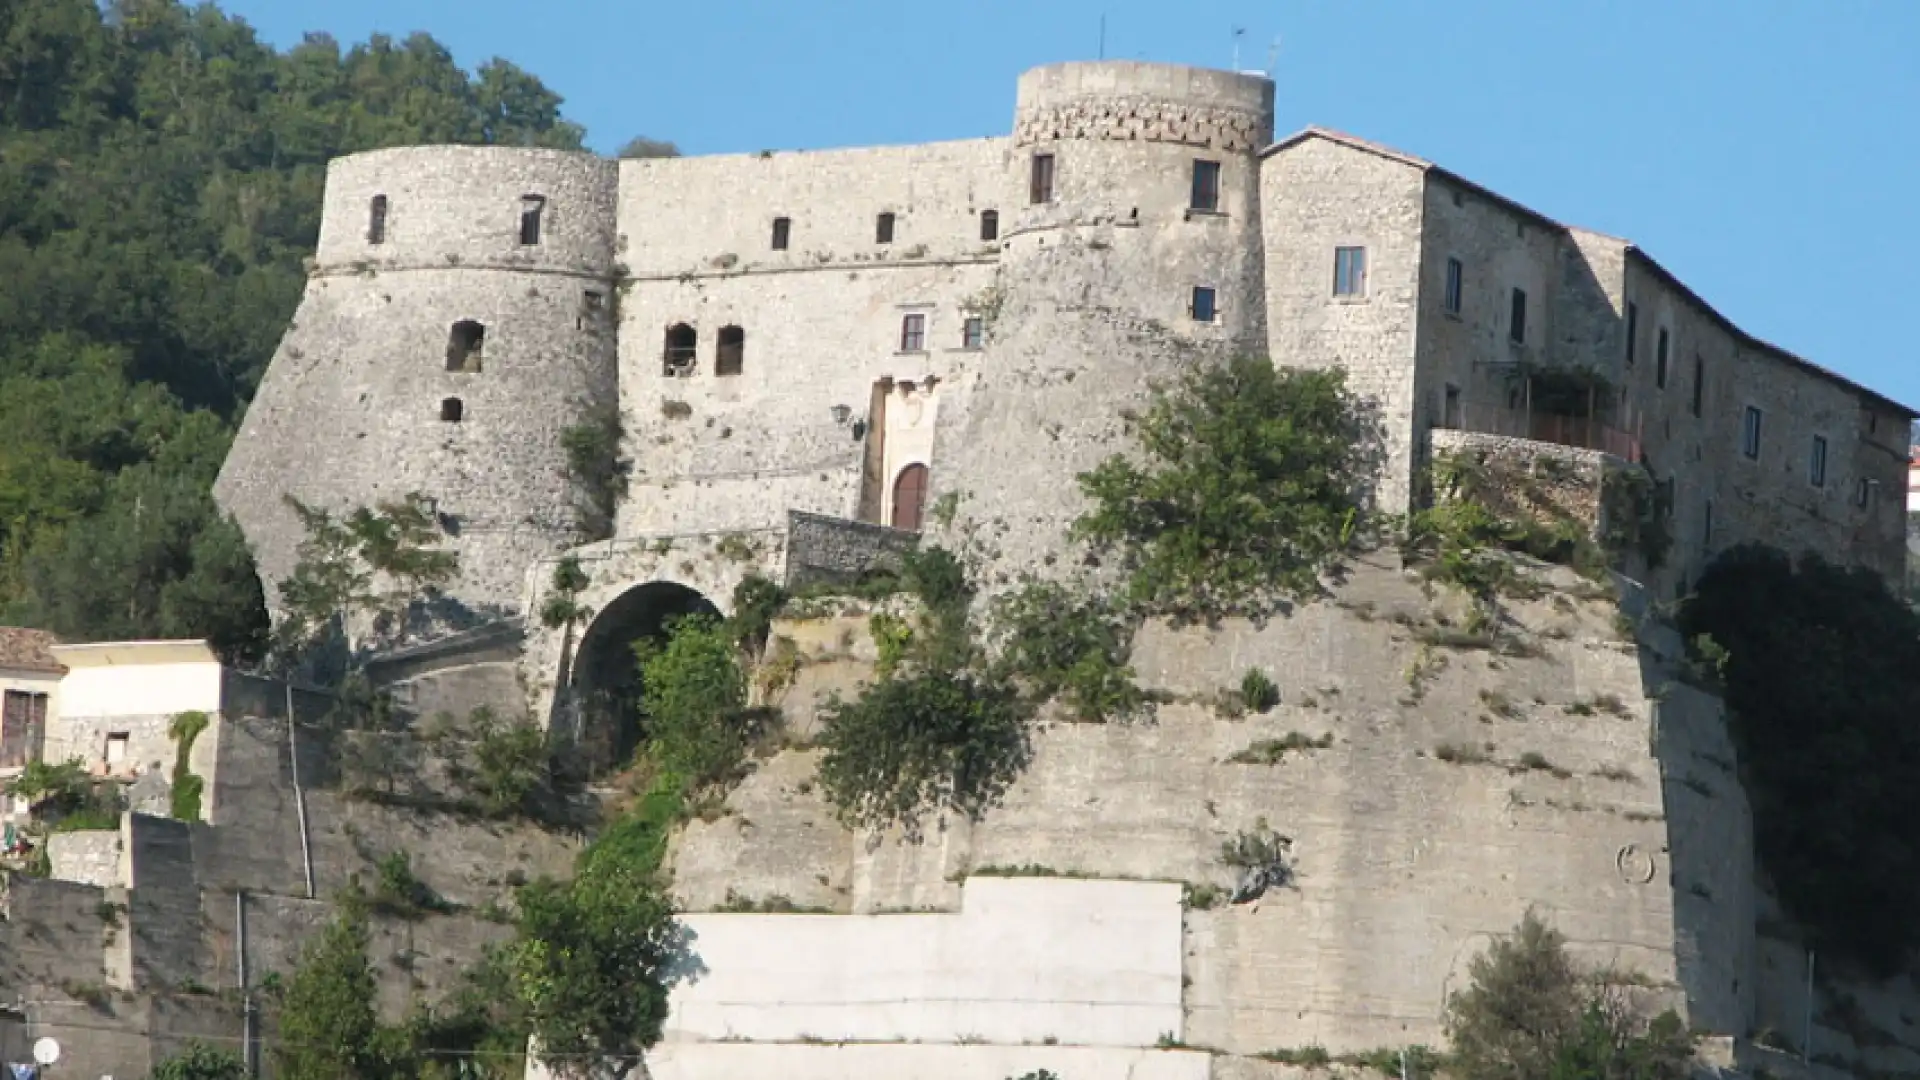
(1059, 644)
(694, 695)
(756, 600)
(510, 763)
(187, 788)
(1247, 491)
(1258, 692)
(1821, 673)
(397, 891)
(1528, 1012)
(201, 1062)
(928, 740)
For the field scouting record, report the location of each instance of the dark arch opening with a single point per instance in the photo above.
(606, 680)
(683, 343)
(466, 341)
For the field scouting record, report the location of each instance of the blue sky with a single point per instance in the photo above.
(1767, 151)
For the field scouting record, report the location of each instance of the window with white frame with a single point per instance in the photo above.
(913, 332)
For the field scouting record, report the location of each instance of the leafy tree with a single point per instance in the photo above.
(328, 1027)
(510, 762)
(375, 562)
(642, 147)
(1530, 1013)
(1250, 489)
(1820, 667)
(694, 694)
(1064, 643)
(201, 1062)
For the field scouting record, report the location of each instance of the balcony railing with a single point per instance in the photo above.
(1585, 432)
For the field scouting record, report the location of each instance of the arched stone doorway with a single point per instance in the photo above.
(605, 684)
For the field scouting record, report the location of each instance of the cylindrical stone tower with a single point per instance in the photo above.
(1134, 253)
(458, 318)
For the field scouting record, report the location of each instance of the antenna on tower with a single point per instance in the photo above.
(1238, 31)
(1103, 35)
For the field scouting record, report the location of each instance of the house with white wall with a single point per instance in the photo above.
(118, 699)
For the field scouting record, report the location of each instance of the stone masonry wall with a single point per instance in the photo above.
(1530, 479)
(90, 857)
(824, 550)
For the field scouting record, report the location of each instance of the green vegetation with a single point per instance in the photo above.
(161, 172)
(396, 891)
(183, 729)
(375, 562)
(1249, 492)
(1821, 673)
(1529, 1012)
(66, 798)
(694, 700)
(1061, 643)
(511, 765)
(562, 607)
(1273, 751)
(328, 1028)
(200, 1062)
(598, 473)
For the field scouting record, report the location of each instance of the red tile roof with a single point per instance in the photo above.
(25, 649)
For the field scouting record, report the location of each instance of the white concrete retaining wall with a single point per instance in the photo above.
(1025, 960)
(866, 1061)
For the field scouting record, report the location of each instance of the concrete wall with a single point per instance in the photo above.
(89, 857)
(806, 1061)
(1085, 963)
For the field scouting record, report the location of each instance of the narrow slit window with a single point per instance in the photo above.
(1040, 186)
(1660, 360)
(465, 344)
(1517, 318)
(1204, 305)
(1633, 331)
(682, 344)
(1750, 433)
(1699, 383)
(1350, 271)
(1454, 274)
(913, 333)
(377, 220)
(989, 224)
(782, 232)
(1817, 462)
(452, 411)
(883, 229)
(532, 207)
(1206, 186)
(730, 357)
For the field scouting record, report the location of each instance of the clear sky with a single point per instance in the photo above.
(1766, 151)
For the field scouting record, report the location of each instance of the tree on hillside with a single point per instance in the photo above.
(375, 562)
(161, 172)
(642, 147)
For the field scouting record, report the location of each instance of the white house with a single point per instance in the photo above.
(29, 679)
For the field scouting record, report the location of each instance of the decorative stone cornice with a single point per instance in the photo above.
(1217, 127)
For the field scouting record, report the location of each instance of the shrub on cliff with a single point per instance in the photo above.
(1529, 1013)
(1820, 667)
(1247, 491)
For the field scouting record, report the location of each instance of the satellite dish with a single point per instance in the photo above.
(46, 1051)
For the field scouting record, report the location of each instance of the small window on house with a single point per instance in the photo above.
(1206, 186)
(1517, 318)
(1040, 186)
(989, 224)
(1454, 274)
(1817, 462)
(1863, 493)
(682, 345)
(909, 497)
(1204, 307)
(782, 231)
(117, 749)
(452, 411)
(377, 220)
(1350, 271)
(731, 353)
(1633, 331)
(883, 229)
(1699, 383)
(1660, 360)
(913, 332)
(531, 207)
(973, 332)
(464, 346)
(1750, 433)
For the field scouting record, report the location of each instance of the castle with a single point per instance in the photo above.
(810, 352)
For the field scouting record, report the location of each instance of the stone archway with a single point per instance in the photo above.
(604, 685)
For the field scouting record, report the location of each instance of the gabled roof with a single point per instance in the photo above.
(1633, 251)
(25, 649)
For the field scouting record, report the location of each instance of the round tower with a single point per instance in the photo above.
(1135, 252)
(458, 318)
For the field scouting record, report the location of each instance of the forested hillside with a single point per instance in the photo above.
(161, 173)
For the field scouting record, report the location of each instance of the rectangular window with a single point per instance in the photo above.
(1699, 383)
(531, 207)
(1633, 331)
(1206, 185)
(1453, 286)
(913, 333)
(1041, 187)
(973, 332)
(989, 224)
(883, 229)
(1750, 434)
(1517, 319)
(1817, 462)
(1863, 493)
(1660, 360)
(1203, 305)
(1350, 271)
(116, 749)
(782, 232)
